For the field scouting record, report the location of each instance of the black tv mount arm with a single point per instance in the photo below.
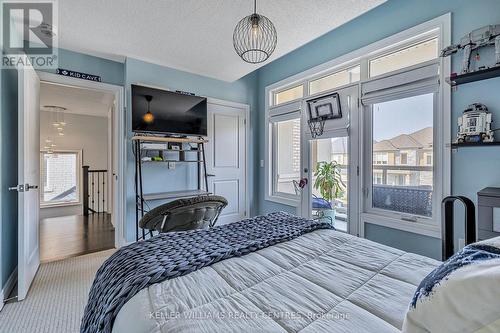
(447, 223)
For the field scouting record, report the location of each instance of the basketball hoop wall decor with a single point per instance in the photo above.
(320, 110)
(255, 37)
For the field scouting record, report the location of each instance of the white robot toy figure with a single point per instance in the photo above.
(485, 36)
(475, 124)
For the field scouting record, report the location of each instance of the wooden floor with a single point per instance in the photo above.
(69, 236)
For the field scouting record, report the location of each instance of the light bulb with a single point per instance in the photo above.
(55, 124)
(61, 134)
(148, 117)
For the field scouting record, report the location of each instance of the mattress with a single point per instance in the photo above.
(323, 281)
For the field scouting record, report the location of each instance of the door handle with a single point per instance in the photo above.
(23, 188)
(18, 188)
(210, 175)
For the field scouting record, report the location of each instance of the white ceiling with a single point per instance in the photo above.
(76, 100)
(194, 35)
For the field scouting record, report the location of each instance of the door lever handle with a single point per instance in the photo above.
(18, 188)
(210, 175)
(23, 188)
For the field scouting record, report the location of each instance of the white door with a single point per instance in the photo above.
(29, 177)
(226, 158)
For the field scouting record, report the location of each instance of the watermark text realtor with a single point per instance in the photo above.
(29, 33)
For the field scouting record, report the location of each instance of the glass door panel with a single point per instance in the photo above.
(330, 181)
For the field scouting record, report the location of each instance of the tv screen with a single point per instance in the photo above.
(168, 112)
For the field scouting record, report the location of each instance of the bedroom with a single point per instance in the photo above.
(384, 54)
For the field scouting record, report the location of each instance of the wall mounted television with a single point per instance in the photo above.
(157, 111)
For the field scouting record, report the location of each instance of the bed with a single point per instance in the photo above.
(320, 281)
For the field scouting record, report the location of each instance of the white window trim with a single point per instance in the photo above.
(442, 24)
(281, 112)
(79, 171)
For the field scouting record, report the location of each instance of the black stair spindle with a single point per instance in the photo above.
(93, 207)
(103, 192)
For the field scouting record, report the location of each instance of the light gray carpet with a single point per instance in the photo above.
(56, 299)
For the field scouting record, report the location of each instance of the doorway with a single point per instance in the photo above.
(76, 192)
(331, 166)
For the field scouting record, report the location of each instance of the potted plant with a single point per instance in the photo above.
(329, 183)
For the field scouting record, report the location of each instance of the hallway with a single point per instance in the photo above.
(69, 236)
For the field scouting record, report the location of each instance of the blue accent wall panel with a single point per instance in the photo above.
(406, 241)
(472, 169)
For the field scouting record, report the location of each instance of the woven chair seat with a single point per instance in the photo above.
(184, 214)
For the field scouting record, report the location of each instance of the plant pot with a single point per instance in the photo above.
(330, 213)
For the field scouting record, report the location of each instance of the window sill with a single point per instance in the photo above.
(284, 200)
(58, 205)
(426, 229)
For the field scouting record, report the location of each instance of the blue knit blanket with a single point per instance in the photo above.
(167, 256)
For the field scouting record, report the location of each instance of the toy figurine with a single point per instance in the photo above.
(475, 124)
(485, 36)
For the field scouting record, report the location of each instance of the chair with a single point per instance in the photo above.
(319, 205)
(184, 214)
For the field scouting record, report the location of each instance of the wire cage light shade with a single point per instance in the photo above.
(255, 38)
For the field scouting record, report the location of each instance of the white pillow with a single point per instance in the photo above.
(461, 295)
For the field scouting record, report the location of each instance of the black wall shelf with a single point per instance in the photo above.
(479, 75)
(475, 144)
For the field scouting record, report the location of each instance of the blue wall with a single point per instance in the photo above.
(110, 71)
(157, 178)
(472, 168)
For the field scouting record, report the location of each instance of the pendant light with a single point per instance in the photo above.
(255, 37)
(148, 117)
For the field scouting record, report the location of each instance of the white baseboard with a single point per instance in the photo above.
(9, 285)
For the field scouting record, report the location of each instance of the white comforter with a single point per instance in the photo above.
(324, 281)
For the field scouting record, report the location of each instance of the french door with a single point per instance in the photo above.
(335, 154)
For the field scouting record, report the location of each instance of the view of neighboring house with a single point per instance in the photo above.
(412, 156)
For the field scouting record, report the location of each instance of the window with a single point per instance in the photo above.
(286, 159)
(405, 186)
(288, 95)
(380, 158)
(406, 57)
(403, 158)
(402, 134)
(60, 178)
(335, 80)
(428, 158)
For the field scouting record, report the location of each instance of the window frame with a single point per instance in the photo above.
(282, 112)
(439, 27)
(283, 89)
(79, 177)
(379, 214)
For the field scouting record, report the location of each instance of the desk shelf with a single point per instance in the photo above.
(140, 152)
